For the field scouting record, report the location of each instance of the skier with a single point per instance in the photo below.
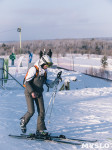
(30, 56)
(40, 54)
(34, 80)
(12, 57)
(50, 53)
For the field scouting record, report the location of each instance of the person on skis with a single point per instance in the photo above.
(34, 80)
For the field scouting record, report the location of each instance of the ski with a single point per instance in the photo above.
(43, 138)
(73, 139)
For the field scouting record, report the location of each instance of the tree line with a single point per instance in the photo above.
(60, 46)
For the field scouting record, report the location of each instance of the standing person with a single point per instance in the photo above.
(44, 51)
(12, 57)
(40, 54)
(30, 56)
(50, 53)
(34, 80)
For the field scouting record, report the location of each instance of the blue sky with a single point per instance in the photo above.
(55, 19)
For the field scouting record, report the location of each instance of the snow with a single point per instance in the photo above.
(83, 112)
(89, 64)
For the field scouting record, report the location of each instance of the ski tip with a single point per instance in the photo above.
(10, 135)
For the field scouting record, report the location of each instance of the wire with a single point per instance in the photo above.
(8, 30)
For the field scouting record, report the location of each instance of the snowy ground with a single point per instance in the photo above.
(81, 62)
(89, 64)
(83, 112)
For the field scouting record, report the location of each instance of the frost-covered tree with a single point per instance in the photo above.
(104, 62)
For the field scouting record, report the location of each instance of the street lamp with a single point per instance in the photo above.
(19, 30)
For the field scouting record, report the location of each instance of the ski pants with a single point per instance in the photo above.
(31, 110)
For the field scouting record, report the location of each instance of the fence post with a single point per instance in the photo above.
(1, 71)
(7, 69)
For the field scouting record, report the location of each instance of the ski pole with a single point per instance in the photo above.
(52, 106)
(53, 95)
(50, 102)
(48, 105)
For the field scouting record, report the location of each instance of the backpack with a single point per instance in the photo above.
(37, 71)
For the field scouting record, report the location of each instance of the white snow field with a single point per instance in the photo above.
(84, 112)
(89, 64)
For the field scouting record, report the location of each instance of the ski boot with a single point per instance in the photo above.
(41, 133)
(23, 125)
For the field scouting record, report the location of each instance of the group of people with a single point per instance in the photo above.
(35, 78)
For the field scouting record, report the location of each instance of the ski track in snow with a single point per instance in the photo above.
(83, 112)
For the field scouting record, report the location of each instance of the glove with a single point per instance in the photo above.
(51, 84)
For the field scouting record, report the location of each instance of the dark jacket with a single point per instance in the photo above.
(35, 85)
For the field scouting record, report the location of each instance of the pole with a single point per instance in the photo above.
(2, 87)
(19, 30)
(54, 94)
(14, 78)
(20, 41)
